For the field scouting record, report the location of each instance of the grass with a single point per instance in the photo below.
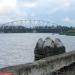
(70, 33)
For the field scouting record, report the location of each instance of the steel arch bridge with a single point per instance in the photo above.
(28, 23)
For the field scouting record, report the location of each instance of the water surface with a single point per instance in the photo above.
(18, 48)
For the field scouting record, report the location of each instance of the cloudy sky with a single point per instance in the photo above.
(57, 11)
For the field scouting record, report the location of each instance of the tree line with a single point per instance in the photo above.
(34, 29)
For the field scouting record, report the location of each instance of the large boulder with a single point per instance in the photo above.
(59, 47)
(39, 50)
(48, 47)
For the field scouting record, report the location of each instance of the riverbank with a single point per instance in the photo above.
(70, 33)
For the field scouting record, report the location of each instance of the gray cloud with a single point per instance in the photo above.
(49, 9)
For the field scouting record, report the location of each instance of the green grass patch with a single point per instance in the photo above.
(70, 33)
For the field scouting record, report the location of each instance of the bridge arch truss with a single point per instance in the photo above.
(28, 23)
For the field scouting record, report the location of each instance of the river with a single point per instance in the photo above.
(18, 48)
